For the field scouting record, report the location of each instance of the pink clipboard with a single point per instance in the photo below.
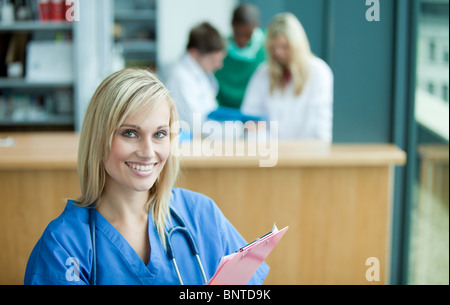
(239, 267)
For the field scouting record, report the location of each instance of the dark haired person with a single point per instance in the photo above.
(191, 82)
(245, 51)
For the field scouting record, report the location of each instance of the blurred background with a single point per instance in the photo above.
(391, 86)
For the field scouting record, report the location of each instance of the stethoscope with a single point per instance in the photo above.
(181, 228)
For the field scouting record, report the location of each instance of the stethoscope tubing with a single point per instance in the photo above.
(182, 228)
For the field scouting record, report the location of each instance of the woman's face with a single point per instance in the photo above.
(280, 50)
(139, 150)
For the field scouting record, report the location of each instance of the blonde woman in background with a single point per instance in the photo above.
(294, 87)
(116, 232)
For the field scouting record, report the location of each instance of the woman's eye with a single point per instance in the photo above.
(160, 134)
(129, 134)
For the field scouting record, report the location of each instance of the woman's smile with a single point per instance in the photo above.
(141, 169)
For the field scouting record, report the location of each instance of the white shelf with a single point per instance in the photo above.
(26, 26)
(50, 120)
(21, 83)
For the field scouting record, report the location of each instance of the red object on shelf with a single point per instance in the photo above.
(57, 10)
(44, 10)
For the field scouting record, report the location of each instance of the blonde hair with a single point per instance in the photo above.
(300, 52)
(120, 95)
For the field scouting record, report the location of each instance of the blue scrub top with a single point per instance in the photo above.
(63, 255)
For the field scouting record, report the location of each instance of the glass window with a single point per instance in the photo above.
(431, 88)
(445, 92)
(429, 232)
(432, 51)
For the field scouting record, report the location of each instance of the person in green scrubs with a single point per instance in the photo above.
(245, 51)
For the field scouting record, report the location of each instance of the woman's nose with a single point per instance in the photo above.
(146, 148)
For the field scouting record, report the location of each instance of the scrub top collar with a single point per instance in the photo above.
(143, 271)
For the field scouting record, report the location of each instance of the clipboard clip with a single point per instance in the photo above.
(274, 230)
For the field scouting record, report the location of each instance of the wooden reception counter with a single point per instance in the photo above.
(335, 199)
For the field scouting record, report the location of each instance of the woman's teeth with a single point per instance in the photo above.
(141, 167)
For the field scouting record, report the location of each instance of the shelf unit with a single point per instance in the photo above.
(25, 105)
(135, 31)
(92, 54)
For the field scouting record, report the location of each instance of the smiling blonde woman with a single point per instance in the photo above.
(116, 231)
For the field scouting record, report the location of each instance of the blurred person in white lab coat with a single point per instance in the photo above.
(293, 87)
(191, 82)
